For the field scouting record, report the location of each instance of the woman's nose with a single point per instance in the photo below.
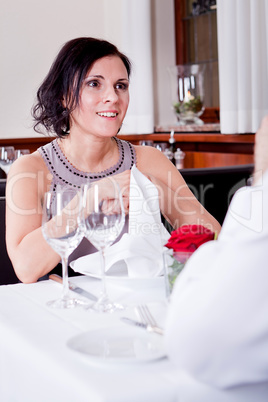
(110, 95)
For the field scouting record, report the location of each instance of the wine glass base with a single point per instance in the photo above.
(67, 303)
(105, 305)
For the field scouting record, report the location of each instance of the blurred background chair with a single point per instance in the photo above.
(2, 187)
(7, 274)
(215, 187)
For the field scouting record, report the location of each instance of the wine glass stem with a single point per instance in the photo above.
(65, 290)
(103, 278)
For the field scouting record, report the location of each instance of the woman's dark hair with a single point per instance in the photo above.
(65, 79)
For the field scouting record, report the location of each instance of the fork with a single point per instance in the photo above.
(147, 318)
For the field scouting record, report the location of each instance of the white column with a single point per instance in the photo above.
(137, 44)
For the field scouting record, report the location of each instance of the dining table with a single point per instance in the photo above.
(40, 359)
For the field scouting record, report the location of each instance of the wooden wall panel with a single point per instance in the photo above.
(202, 149)
(213, 159)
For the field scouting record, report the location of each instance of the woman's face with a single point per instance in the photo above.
(104, 99)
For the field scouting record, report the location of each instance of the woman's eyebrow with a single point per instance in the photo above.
(95, 76)
(101, 77)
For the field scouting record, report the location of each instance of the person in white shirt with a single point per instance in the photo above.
(217, 326)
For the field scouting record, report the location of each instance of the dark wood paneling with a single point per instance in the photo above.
(179, 31)
(202, 149)
(211, 115)
(25, 143)
(213, 159)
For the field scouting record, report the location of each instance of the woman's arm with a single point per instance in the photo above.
(30, 254)
(177, 202)
(261, 150)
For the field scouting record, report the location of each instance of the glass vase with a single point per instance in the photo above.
(187, 92)
(174, 262)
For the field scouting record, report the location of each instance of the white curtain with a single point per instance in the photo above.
(243, 64)
(137, 44)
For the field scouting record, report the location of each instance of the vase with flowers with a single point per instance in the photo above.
(181, 245)
(187, 92)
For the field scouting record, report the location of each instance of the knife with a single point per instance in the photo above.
(148, 327)
(74, 288)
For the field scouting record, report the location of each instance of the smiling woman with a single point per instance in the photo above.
(83, 101)
(71, 71)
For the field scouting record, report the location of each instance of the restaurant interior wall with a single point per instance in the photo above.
(33, 32)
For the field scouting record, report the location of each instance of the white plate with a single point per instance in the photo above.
(119, 345)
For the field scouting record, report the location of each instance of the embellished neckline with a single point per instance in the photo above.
(68, 175)
(65, 161)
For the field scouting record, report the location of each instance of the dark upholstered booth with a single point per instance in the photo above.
(215, 187)
(7, 274)
(2, 187)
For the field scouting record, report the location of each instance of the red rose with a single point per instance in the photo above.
(189, 237)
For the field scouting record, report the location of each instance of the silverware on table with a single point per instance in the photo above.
(147, 318)
(134, 322)
(139, 324)
(74, 288)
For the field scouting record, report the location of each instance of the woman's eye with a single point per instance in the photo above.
(122, 86)
(93, 84)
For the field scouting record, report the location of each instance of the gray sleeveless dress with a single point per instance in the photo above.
(65, 174)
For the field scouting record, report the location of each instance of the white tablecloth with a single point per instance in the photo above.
(36, 364)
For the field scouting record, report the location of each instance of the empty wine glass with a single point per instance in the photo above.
(147, 143)
(7, 157)
(62, 229)
(104, 221)
(21, 152)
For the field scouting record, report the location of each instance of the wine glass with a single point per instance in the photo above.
(104, 220)
(62, 224)
(21, 152)
(7, 157)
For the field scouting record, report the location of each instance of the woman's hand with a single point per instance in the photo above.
(123, 181)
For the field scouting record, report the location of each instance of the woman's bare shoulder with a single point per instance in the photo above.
(32, 163)
(153, 161)
(27, 175)
(146, 153)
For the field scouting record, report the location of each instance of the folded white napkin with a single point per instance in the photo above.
(140, 248)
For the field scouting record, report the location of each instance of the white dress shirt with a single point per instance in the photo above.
(217, 325)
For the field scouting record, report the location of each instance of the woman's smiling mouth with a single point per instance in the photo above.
(107, 114)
